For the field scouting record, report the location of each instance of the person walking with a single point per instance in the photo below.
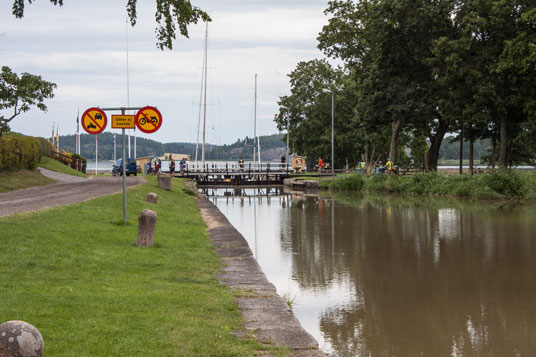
(388, 166)
(241, 164)
(157, 167)
(283, 162)
(320, 164)
(171, 166)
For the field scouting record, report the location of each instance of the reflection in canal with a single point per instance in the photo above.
(397, 278)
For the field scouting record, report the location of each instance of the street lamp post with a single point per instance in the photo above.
(288, 135)
(332, 130)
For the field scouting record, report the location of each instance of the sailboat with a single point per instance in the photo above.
(203, 103)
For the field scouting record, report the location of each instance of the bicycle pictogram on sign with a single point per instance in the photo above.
(148, 119)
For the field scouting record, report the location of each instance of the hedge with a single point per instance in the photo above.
(45, 147)
(18, 152)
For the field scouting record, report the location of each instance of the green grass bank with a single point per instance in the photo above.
(14, 179)
(76, 274)
(57, 166)
(496, 184)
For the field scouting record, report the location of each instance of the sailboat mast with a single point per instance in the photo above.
(258, 146)
(255, 122)
(205, 98)
(201, 97)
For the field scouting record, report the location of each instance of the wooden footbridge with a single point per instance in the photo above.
(221, 173)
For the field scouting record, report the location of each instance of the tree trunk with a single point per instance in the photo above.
(371, 162)
(471, 156)
(396, 127)
(435, 144)
(461, 149)
(493, 151)
(502, 153)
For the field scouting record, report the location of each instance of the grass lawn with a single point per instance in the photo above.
(76, 274)
(17, 180)
(57, 166)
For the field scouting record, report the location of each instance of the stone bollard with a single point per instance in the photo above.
(164, 182)
(152, 197)
(146, 226)
(20, 339)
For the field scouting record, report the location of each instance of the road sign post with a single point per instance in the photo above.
(149, 116)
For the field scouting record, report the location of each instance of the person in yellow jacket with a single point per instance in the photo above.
(388, 166)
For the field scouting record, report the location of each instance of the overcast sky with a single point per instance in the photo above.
(82, 48)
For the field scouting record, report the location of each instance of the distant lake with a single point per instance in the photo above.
(102, 165)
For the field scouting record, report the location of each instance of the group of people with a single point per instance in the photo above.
(321, 166)
(182, 165)
(379, 168)
(158, 166)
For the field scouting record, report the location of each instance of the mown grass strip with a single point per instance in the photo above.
(75, 273)
(20, 179)
(57, 166)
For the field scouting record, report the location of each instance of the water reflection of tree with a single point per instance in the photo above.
(427, 281)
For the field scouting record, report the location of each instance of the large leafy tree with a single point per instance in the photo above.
(306, 112)
(388, 43)
(18, 94)
(170, 15)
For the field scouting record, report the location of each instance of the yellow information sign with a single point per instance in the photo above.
(123, 122)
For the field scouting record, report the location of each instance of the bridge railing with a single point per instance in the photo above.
(233, 167)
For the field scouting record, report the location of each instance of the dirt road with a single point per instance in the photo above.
(69, 189)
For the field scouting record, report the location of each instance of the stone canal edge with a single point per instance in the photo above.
(264, 313)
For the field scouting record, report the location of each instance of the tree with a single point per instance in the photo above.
(20, 93)
(306, 113)
(388, 42)
(169, 15)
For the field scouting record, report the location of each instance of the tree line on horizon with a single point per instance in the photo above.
(148, 147)
(272, 147)
(414, 73)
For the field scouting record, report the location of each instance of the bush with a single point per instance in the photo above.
(348, 182)
(18, 152)
(45, 147)
(376, 183)
(77, 156)
(504, 182)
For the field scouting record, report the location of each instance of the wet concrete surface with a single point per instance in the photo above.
(265, 314)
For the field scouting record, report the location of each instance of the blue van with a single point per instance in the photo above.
(117, 168)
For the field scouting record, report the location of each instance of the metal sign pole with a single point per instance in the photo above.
(158, 117)
(124, 175)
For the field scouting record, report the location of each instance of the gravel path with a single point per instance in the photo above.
(69, 189)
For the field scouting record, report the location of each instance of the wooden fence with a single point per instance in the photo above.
(74, 163)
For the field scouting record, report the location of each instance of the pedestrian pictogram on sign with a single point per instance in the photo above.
(148, 119)
(94, 121)
(123, 122)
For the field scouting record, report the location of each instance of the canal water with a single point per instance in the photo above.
(370, 276)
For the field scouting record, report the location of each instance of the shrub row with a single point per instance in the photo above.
(493, 184)
(45, 147)
(18, 152)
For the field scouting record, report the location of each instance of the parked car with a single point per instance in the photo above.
(131, 168)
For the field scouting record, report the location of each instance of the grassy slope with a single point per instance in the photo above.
(90, 291)
(16, 180)
(57, 166)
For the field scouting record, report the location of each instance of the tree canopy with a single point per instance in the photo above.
(424, 70)
(170, 15)
(20, 93)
